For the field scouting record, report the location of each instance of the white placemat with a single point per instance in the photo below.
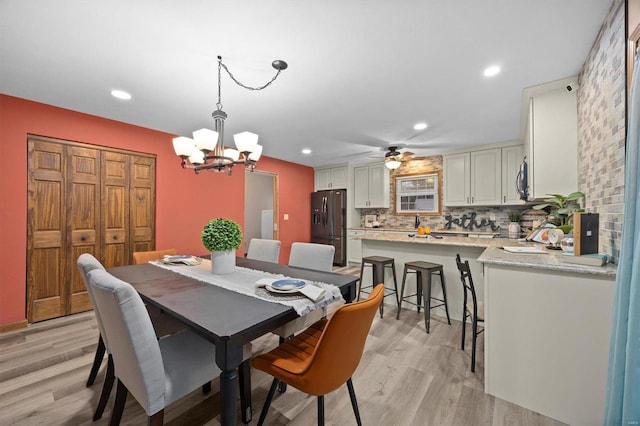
(243, 281)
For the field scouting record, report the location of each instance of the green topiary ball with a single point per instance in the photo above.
(221, 235)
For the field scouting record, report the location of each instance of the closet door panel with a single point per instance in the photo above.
(46, 231)
(142, 203)
(115, 209)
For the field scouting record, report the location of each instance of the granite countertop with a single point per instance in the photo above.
(434, 231)
(447, 240)
(551, 260)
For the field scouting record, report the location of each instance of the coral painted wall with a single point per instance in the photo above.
(184, 201)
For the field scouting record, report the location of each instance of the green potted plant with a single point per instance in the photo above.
(514, 225)
(222, 237)
(566, 206)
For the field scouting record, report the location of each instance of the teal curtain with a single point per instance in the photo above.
(623, 386)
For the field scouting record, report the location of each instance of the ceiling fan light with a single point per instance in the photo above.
(183, 146)
(205, 139)
(246, 141)
(393, 164)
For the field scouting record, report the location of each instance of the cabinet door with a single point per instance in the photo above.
(511, 159)
(486, 177)
(339, 177)
(379, 186)
(323, 179)
(457, 178)
(355, 247)
(361, 187)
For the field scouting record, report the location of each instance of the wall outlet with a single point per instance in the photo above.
(492, 217)
(286, 216)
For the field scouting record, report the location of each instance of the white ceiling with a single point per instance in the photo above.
(361, 73)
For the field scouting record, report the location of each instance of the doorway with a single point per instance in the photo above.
(260, 206)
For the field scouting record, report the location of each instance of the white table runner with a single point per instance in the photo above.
(243, 281)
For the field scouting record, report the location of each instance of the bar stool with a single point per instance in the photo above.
(378, 264)
(424, 271)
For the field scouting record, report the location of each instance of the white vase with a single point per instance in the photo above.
(223, 262)
(514, 230)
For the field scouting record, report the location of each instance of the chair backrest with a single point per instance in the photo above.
(467, 281)
(86, 263)
(339, 350)
(266, 250)
(312, 256)
(140, 257)
(134, 347)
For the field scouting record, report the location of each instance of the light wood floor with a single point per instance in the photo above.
(406, 377)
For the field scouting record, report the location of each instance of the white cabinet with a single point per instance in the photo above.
(457, 179)
(371, 186)
(354, 249)
(551, 143)
(511, 160)
(331, 178)
(473, 178)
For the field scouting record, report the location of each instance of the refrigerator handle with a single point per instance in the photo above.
(324, 211)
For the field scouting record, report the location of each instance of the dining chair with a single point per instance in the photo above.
(472, 309)
(156, 372)
(323, 357)
(86, 263)
(312, 256)
(140, 257)
(265, 250)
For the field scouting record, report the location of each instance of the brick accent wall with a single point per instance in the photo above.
(601, 129)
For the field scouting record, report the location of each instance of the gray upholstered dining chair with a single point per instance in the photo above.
(312, 256)
(156, 372)
(86, 263)
(265, 250)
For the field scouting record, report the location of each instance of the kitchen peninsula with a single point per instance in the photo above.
(547, 322)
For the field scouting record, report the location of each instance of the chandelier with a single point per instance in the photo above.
(206, 150)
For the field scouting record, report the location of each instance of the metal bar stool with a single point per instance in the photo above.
(378, 263)
(424, 271)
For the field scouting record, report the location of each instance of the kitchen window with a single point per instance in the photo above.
(417, 194)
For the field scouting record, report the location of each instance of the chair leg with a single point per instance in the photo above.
(360, 281)
(282, 386)
(473, 348)
(106, 389)
(97, 360)
(404, 279)
(320, 410)
(444, 295)
(118, 405)
(395, 282)
(419, 290)
(157, 419)
(206, 388)
(354, 401)
(464, 325)
(244, 376)
(267, 402)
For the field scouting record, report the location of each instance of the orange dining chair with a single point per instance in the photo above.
(140, 257)
(323, 357)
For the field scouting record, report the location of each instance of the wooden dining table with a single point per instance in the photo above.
(224, 317)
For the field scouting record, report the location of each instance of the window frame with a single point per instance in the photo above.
(397, 179)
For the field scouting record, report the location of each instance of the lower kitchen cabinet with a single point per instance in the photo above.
(354, 249)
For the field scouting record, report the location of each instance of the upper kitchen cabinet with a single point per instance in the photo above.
(331, 178)
(550, 141)
(473, 178)
(371, 186)
(511, 160)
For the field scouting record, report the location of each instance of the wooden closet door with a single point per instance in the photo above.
(142, 203)
(83, 218)
(115, 209)
(46, 231)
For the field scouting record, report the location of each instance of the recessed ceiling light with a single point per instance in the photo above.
(491, 71)
(420, 126)
(120, 94)
(306, 151)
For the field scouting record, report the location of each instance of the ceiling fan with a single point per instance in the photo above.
(394, 158)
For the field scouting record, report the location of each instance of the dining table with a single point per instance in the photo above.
(226, 318)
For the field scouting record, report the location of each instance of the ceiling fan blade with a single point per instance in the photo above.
(407, 153)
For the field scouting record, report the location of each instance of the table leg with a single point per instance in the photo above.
(228, 358)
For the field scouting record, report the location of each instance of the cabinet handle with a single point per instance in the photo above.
(504, 198)
(472, 200)
(83, 238)
(467, 200)
(115, 237)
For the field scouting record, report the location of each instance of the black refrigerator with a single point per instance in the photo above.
(329, 222)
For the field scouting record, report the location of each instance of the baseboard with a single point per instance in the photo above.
(13, 326)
